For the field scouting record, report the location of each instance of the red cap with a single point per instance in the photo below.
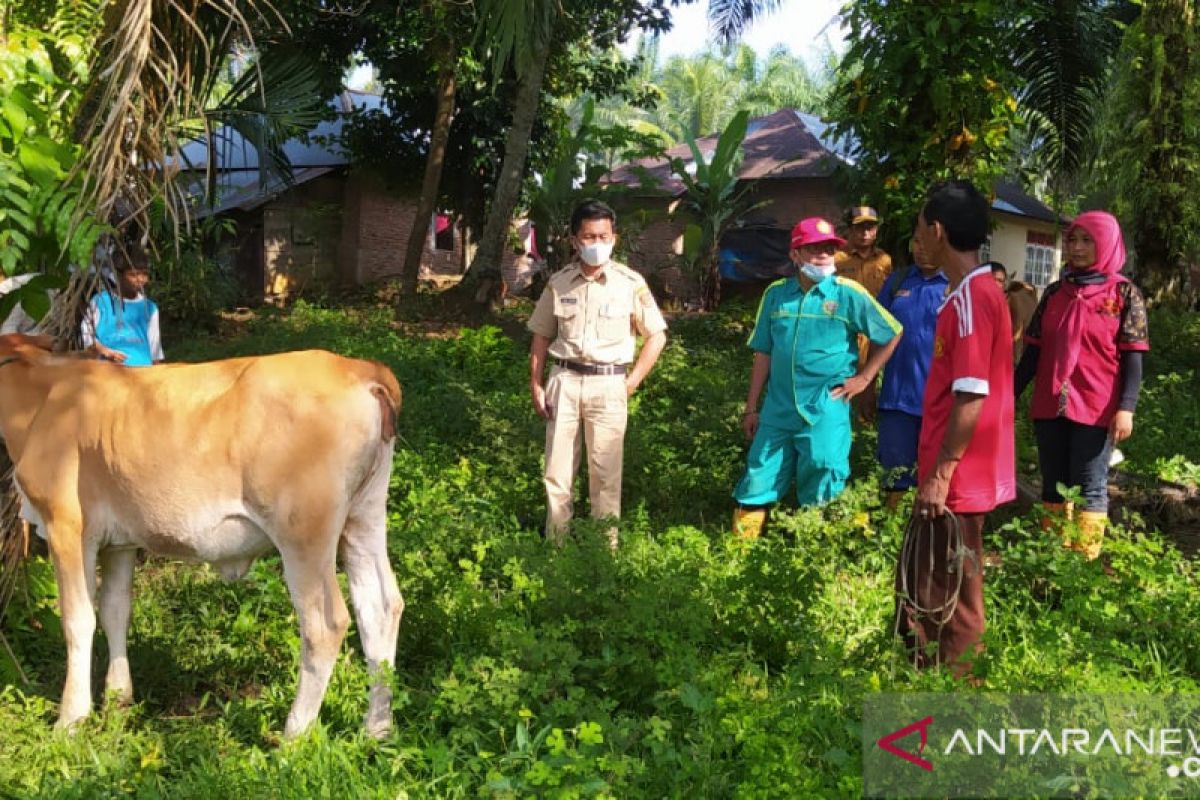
(814, 230)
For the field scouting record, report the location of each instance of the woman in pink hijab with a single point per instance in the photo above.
(1084, 355)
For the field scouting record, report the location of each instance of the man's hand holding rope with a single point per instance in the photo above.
(931, 495)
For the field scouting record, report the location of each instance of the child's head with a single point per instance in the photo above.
(133, 272)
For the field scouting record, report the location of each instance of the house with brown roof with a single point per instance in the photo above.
(791, 157)
(792, 171)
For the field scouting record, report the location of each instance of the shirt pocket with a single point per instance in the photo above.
(615, 322)
(783, 325)
(569, 317)
(826, 334)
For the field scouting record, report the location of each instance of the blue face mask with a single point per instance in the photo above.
(816, 273)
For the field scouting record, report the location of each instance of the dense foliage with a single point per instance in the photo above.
(1151, 148)
(44, 70)
(685, 665)
(924, 93)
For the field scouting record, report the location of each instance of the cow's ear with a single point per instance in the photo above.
(33, 349)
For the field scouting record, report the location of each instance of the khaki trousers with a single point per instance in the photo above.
(589, 410)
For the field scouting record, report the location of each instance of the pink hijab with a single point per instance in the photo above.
(1110, 257)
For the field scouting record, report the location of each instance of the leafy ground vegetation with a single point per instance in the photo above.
(685, 665)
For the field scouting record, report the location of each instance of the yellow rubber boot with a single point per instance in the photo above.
(1092, 525)
(1054, 515)
(748, 522)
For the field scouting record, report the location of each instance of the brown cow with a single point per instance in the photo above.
(214, 462)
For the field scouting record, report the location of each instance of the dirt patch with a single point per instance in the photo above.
(1170, 507)
(1173, 508)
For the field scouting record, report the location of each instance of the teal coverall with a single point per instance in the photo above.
(803, 432)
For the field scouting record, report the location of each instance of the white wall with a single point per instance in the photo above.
(1008, 239)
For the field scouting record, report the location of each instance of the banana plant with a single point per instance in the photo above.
(714, 202)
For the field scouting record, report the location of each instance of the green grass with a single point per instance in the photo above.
(687, 665)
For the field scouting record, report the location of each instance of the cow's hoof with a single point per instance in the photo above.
(378, 726)
(69, 724)
(294, 730)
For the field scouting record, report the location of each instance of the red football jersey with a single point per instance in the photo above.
(972, 352)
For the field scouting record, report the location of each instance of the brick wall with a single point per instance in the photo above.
(791, 200)
(382, 223)
(300, 237)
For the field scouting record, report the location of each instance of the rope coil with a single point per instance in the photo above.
(909, 574)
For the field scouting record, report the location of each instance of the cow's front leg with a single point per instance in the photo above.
(75, 570)
(116, 597)
(317, 598)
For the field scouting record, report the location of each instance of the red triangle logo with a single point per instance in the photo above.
(922, 726)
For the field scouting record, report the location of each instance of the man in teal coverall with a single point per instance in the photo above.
(806, 354)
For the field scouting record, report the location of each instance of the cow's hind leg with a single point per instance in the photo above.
(323, 618)
(378, 607)
(75, 570)
(116, 597)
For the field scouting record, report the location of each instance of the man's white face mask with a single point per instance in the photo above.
(816, 272)
(596, 254)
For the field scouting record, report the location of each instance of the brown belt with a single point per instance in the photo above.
(591, 369)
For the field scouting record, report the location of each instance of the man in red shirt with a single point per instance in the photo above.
(965, 458)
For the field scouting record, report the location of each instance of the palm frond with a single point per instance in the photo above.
(729, 19)
(156, 62)
(271, 102)
(1064, 54)
(512, 31)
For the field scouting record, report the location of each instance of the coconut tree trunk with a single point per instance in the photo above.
(447, 88)
(484, 272)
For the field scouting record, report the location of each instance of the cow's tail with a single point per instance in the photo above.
(386, 389)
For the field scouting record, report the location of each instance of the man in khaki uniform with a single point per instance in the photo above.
(861, 261)
(584, 325)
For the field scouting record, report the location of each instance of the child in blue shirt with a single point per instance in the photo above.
(124, 327)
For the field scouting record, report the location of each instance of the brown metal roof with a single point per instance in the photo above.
(776, 146)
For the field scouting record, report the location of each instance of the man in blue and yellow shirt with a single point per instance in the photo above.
(806, 355)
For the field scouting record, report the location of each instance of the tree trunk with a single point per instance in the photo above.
(710, 295)
(447, 87)
(484, 272)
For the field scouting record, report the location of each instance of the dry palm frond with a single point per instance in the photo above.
(153, 70)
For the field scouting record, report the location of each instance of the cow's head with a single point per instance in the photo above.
(23, 347)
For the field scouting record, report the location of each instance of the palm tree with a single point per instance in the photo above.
(519, 34)
(445, 48)
(783, 82)
(1064, 51)
(699, 95)
(729, 19)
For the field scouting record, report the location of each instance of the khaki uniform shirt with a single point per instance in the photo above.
(871, 271)
(1022, 302)
(593, 320)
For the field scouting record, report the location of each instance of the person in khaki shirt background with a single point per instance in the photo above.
(1022, 302)
(861, 261)
(584, 325)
